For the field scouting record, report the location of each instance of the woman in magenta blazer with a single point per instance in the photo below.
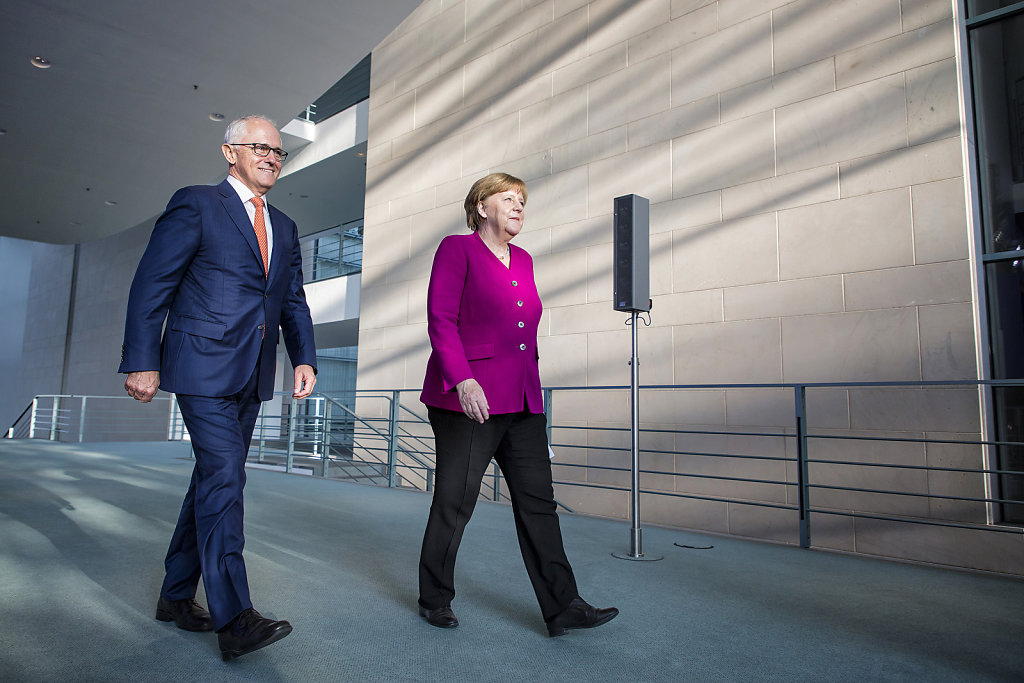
(483, 396)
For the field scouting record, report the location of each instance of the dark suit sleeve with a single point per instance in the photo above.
(296, 323)
(174, 241)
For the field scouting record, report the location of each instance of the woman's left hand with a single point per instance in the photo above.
(473, 400)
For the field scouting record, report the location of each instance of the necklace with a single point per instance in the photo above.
(505, 255)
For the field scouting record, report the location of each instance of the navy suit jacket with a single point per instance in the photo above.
(202, 273)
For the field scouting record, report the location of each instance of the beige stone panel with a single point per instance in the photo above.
(595, 407)
(592, 67)
(812, 186)
(557, 199)
(958, 484)
(376, 214)
(732, 478)
(556, 43)
(387, 242)
(894, 55)
(827, 408)
(646, 172)
(589, 500)
(933, 104)
(809, 30)
(405, 336)
(889, 482)
(392, 119)
(415, 366)
(688, 212)
(940, 221)
(415, 268)
(681, 7)
(380, 368)
(901, 167)
(947, 342)
(677, 511)
(787, 298)
(562, 117)
(484, 15)
(599, 274)
(381, 93)
(417, 202)
(779, 90)
(613, 21)
(383, 306)
(430, 226)
(850, 347)
(378, 153)
(730, 154)
(410, 80)
(706, 257)
(769, 408)
(503, 39)
(716, 353)
(562, 278)
(920, 13)
(417, 302)
(850, 123)
(420, 45)
(490, 145)
(984, 550)
(371, 337)
(670, 408)
(849, 235)
(563, 7)
(608, 356)
(582, 151)
(523, 95)
(934, 409)
(664, 37)
(629, 94)
(732, 57)
(711, 443)
(373, 276)
(772, 524)
(563, 360)
(673, 123)
(453, 192)
(576, 318)
(581, 233)
(686, 308)
(536, 241)
(933, 283)
(438, 98)
(423, 13)
(734, 11)
(411, 173)
(661, 265)
(446, 131)
(833, 532)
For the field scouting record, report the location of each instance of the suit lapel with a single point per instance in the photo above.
(278, 223)
(233, 205)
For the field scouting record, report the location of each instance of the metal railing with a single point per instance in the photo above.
(795, 450)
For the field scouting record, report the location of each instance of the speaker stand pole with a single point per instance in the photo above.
(636, 551)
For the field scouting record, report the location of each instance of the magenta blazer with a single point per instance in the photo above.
(482, 321)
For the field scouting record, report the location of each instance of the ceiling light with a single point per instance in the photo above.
(216, 117)
(41, 62)
(360, 154)
(3, 131)
(110, 202)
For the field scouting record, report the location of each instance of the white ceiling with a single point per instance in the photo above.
(123, 113)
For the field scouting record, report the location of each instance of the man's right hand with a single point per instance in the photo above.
(142, 386)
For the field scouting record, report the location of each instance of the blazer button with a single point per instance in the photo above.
(515, 284)
(522, 347)
(519, 303)
(259, 327)
(522, 324)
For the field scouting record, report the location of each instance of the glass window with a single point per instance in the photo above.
(976, 7)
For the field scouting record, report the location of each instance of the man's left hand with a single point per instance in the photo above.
(305, 379)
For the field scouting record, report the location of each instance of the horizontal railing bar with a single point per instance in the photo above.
(674, 494)
(664, 452)
(917, 520)
(678, 474)
(912, 494)
(931, 468)
(655, 430)
(900, 439)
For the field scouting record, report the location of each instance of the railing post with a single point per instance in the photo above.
(803, 490)
(393, 438)
(547, 413)
(81, 421)
(497, 482)
(327, 437)
(263, 437)
(54, 416)
(32, 420)
(291, 435)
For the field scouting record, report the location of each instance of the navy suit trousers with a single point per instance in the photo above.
(208, 539)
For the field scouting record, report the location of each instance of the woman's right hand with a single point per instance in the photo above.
(472, 400)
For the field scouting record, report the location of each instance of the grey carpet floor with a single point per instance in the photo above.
(83, 529)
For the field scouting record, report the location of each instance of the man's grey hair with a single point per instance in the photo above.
(236, 129)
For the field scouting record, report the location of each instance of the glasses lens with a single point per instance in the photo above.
(260, 150)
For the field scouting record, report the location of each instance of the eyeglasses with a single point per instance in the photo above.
(262, 150)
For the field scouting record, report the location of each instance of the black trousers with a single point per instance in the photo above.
(518, 443)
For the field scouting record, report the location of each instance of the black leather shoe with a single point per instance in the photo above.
(442, 617)
(580, 615)
(187, 614)
(250, 631)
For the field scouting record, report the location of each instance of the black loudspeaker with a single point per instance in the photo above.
(632, 254)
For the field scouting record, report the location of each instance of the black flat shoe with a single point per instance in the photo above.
(580, 615)
(250, 631)
(442, 617)
(187, 614)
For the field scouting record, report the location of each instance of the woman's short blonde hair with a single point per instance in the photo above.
(484, 188)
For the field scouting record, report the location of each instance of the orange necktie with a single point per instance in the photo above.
(260, 227)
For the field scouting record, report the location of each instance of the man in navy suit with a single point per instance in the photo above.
(223, 270)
